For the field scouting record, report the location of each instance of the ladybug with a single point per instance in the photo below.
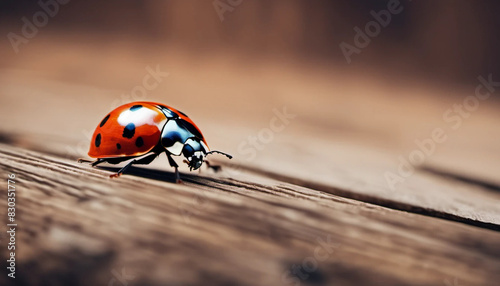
(140, 131)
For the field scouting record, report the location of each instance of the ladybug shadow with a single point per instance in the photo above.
(160, 175)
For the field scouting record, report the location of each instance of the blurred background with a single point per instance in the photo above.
(229, 63)
(451, 40)
(234, 66)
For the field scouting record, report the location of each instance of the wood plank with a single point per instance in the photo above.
(330, 162)
(76, 223)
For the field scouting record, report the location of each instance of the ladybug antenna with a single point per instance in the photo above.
(222, 153)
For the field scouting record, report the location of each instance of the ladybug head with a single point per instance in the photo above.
(195, 153)
(194, 162)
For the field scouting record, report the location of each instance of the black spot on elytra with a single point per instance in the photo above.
(118, 146)
(98, 140)
(129, 131)
(139, 142)
(104, 120)
(182, 113)
(135, 107)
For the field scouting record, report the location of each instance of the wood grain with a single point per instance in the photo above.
(76, 224)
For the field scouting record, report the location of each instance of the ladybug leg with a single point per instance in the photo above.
(175, 166)
(142, 161)
(97, 162)
(215, 168)
(122, 170)
(93, 163)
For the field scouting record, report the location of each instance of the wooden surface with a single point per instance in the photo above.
(245, 230)
(321, 178)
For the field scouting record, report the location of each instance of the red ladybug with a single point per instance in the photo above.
(143, 130)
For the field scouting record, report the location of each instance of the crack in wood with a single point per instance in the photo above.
(395, 205)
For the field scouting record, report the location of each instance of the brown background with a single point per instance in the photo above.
(452, 40)
(322, 175)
